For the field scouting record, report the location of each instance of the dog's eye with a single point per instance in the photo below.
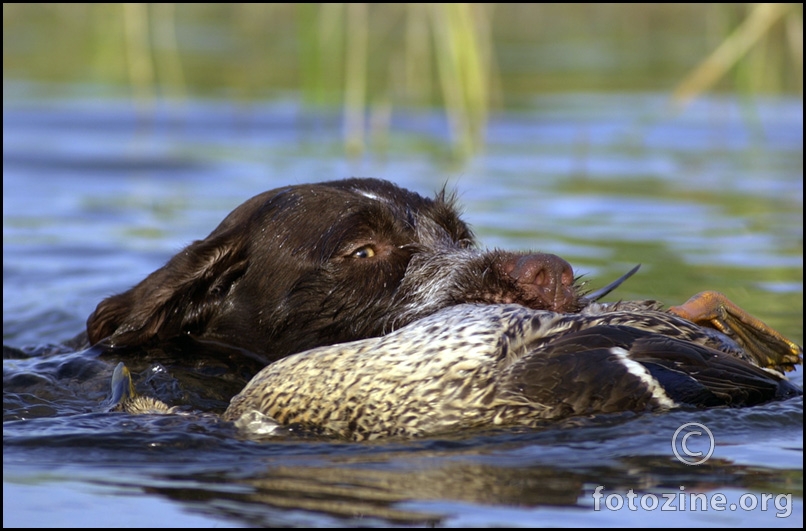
(366, 251)
(465, 243)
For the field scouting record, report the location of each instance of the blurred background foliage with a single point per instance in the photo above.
(368, 60)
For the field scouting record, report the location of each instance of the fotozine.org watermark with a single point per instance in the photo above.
(690, 501)
(693, 443)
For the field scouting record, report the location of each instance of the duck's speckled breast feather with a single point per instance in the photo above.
(418, 379)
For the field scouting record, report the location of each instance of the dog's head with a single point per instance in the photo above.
(308, 265)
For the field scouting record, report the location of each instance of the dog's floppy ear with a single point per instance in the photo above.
(180, 297)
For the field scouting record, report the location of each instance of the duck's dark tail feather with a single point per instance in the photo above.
(731, 381)
(607, 368)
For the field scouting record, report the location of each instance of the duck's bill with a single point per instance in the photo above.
(122, 386)
(601, 292)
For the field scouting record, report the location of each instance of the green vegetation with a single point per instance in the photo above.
(367, 59)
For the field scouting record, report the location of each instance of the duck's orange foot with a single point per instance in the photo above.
(764, 344)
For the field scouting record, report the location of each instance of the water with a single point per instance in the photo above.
(95, 197)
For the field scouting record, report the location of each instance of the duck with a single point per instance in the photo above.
(495, 365)
(475, 365)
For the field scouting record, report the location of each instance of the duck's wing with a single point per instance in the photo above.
(765, 345)
(605, 369)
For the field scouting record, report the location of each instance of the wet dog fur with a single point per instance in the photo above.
(316, 264)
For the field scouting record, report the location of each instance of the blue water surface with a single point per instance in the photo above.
(97, 194)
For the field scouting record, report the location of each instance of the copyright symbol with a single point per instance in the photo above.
(691, 457)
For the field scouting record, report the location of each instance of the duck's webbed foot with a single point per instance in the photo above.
(764, 344)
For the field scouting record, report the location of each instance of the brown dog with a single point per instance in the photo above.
(318, 264)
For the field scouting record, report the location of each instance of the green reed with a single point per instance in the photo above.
(370, 60)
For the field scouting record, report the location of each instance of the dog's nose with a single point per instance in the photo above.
(545, 276)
